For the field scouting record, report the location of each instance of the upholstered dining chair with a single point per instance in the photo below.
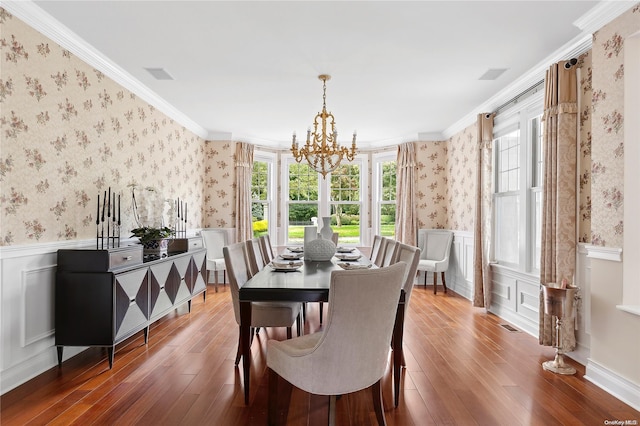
(255, 261)
(263, 314)
(334, 238)
(351, 353)
(267, 249)
(435, 247)
(381, 251)
(410, 255)
(375, 247)
(389, 252)
(214, 240)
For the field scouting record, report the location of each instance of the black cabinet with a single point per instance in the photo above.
(103, 297)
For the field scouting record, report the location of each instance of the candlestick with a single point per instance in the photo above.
(109, 204)
(114, 206)
(104, 203)
(119, 209)
(185, 212)
(98, 212)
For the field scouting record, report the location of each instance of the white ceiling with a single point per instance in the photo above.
(248, 70)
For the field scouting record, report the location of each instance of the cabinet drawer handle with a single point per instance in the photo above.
(161, 288)
(127, 258)
(132, 302)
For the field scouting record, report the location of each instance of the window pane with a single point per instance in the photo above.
(388, 220)
(537, 232)
(507, 232)
(260, 216)
(388, 182)
(303, 183)
(345, 220)
(259, 181)
(300, 215)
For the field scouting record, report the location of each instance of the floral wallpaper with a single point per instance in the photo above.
(607, 129)
(68, 133)
(585, 72)
(433, 205)
(461, 190)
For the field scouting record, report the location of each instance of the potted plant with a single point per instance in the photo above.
(153, 240)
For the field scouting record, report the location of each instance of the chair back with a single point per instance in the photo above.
(389, 252)
(375, 247)
(353, 351)
(334, 238)
(214, 240)
(267, 249)
(411, 256)
(435, 244)
(236, 263)
(255, 262)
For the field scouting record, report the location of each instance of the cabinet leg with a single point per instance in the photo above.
(189, 305)
(146, 335)
(111, 353)
(59, 349)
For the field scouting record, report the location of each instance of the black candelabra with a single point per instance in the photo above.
(111, 219)
(181, 225)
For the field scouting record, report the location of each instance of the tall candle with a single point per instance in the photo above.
(114, 206)
(98, 212)
(118, 209)
(185, 212)
(109, 204)
(104, 203)
(178, 207)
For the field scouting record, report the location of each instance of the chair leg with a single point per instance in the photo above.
(272, 406)
(444, 283)
(215, 276)
(299, 324)
(332, 410)
(289, 334)
(425, 279)
(321, 310)
(239, 352)
(435, 282)
(376, 391)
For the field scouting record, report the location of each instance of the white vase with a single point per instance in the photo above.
(326, 230)
(319, 250)
(310, 234)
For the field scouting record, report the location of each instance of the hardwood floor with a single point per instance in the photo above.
(463, 368)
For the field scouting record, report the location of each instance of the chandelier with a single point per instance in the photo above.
(323, 152)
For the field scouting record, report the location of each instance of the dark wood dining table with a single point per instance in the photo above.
(309, 283)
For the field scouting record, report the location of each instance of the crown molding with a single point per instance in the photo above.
(41, 21)
(602, 13)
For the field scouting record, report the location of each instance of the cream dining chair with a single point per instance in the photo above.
(255, 261)
(375, 247)
(267, 249)
(435, 245)
(263, 314)
(352, 351)
(214, 240)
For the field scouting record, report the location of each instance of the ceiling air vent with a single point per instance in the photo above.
(492, 73)
(159, 73)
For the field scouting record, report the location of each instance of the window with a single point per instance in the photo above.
(262, 213)
(518, 174)
(384, 195)
(310, 197)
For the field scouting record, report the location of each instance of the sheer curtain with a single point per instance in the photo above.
(244, 170)
(559, 192)
(406, 222)
(484, 213)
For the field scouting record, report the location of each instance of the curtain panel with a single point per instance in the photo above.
(244, 170)
(406, 221)
(559, 236)
(483, 213)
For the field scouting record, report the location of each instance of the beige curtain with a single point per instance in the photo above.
(244, 170)
(484, 213)
(559, 192)
(406, 222)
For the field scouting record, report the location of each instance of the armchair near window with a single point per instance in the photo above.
(435, 247)
(352, 352)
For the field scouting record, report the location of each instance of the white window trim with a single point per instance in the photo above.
(519, 116)
(323, 194)
(271, 160)
(376, 190)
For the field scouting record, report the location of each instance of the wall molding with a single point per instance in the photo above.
(626, 391)
(36, 279)
(613, 254)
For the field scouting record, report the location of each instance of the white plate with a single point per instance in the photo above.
(345, 250)
(291, 256)
(286, 266)
(295, 249)
(343, 256)
(353, 266)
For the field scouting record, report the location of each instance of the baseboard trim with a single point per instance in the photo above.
(616, 385)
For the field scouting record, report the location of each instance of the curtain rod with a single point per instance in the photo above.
(525, 93)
